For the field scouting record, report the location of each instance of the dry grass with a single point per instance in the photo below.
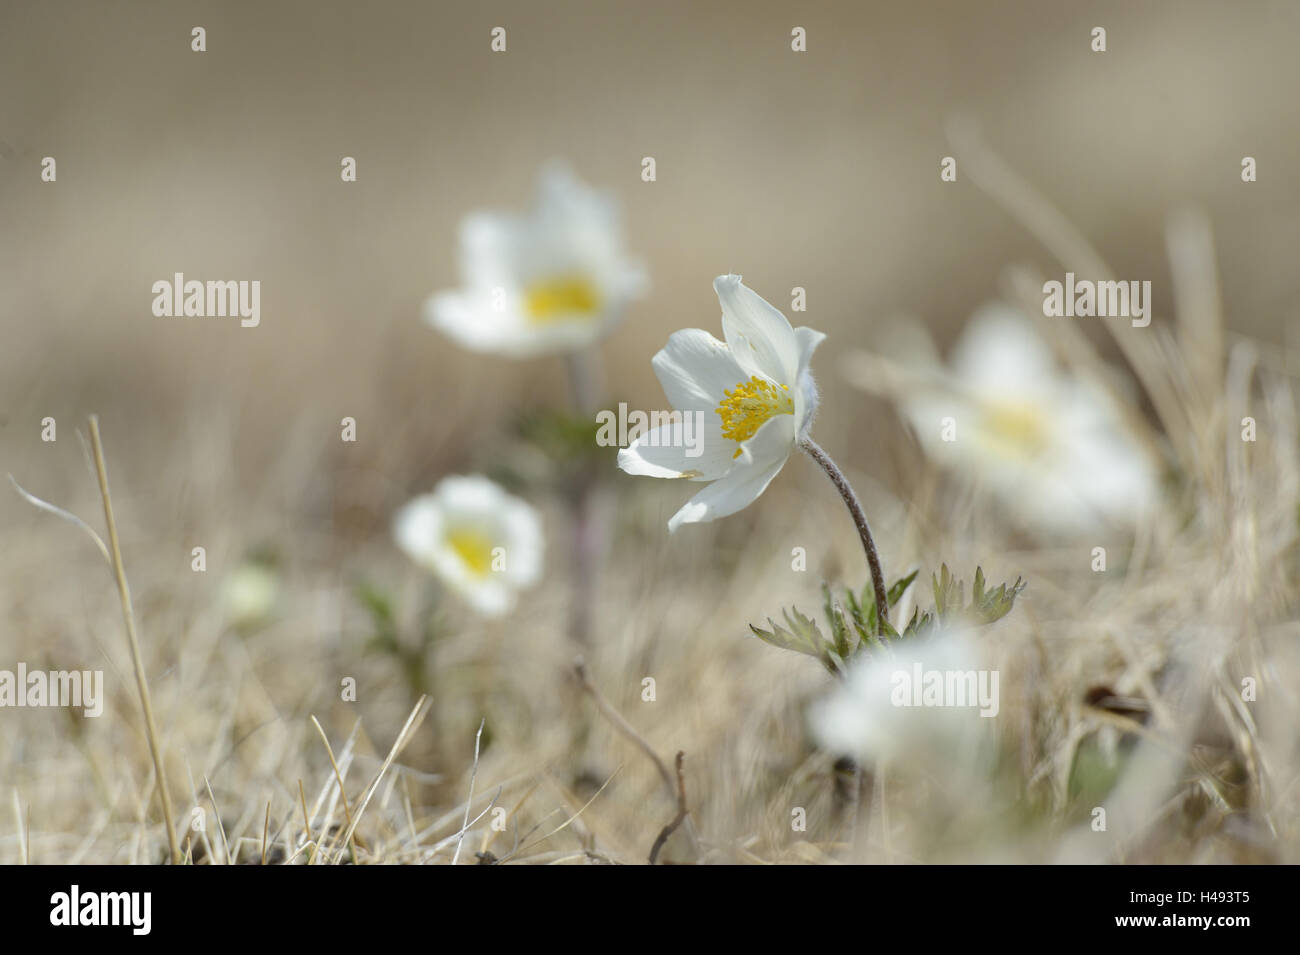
(1201, 598)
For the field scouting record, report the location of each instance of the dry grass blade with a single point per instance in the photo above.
(137, 660)
(266, 825)
(338, 776)
(24, 837)
(478, 737)
(408, 729)
(306, 823)
(568, 822)
(221, 826)
(68, 516)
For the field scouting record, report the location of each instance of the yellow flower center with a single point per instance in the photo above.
(1021, 429)
(560, 297)
(749, 404)
(474, 548)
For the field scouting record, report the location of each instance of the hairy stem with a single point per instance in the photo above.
(860, 519)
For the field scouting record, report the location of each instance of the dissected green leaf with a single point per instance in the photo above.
(801, 635)
(951, 608)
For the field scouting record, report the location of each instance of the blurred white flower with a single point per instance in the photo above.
(555, 280)
(250, 593)
(1055, 449)
(919, 699)
(758, 399)
(480, 541)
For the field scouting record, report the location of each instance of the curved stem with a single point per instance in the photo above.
(860, 519)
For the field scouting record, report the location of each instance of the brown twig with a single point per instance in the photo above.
(682, 811)
(622, 725)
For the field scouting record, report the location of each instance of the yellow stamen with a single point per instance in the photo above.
(560, 297)
(1022, 429)
(474, 548)
(749, 405)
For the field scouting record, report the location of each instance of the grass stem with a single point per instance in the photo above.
(137, 661)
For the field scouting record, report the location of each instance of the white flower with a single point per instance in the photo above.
(552, 281)
(1055, 449)
(756, 395)
(480, 541)
(920, 699)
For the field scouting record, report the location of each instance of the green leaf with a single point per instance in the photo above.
(377, 603)
(895, 593)
(560, 435)
(835, 617)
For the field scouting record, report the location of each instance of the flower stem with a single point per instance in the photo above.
(589, 531)
(860, 519)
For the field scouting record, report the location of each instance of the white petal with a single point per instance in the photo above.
(861, 717)
(925, 409)
(465, 319)
(552, 338)
(773, 441)
(492, 247)
(488, 597)
(805, 392)
(807, 339)
(739, 488)
(469, 494)
(1001, 353)
(522, 531)
(759, 336)
(417, 525)
(696, 451)
(565, 201)
(761, 459)
(627, 280)
(473, 323)
(695, 369)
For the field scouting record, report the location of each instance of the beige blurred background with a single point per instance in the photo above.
(817, 169)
